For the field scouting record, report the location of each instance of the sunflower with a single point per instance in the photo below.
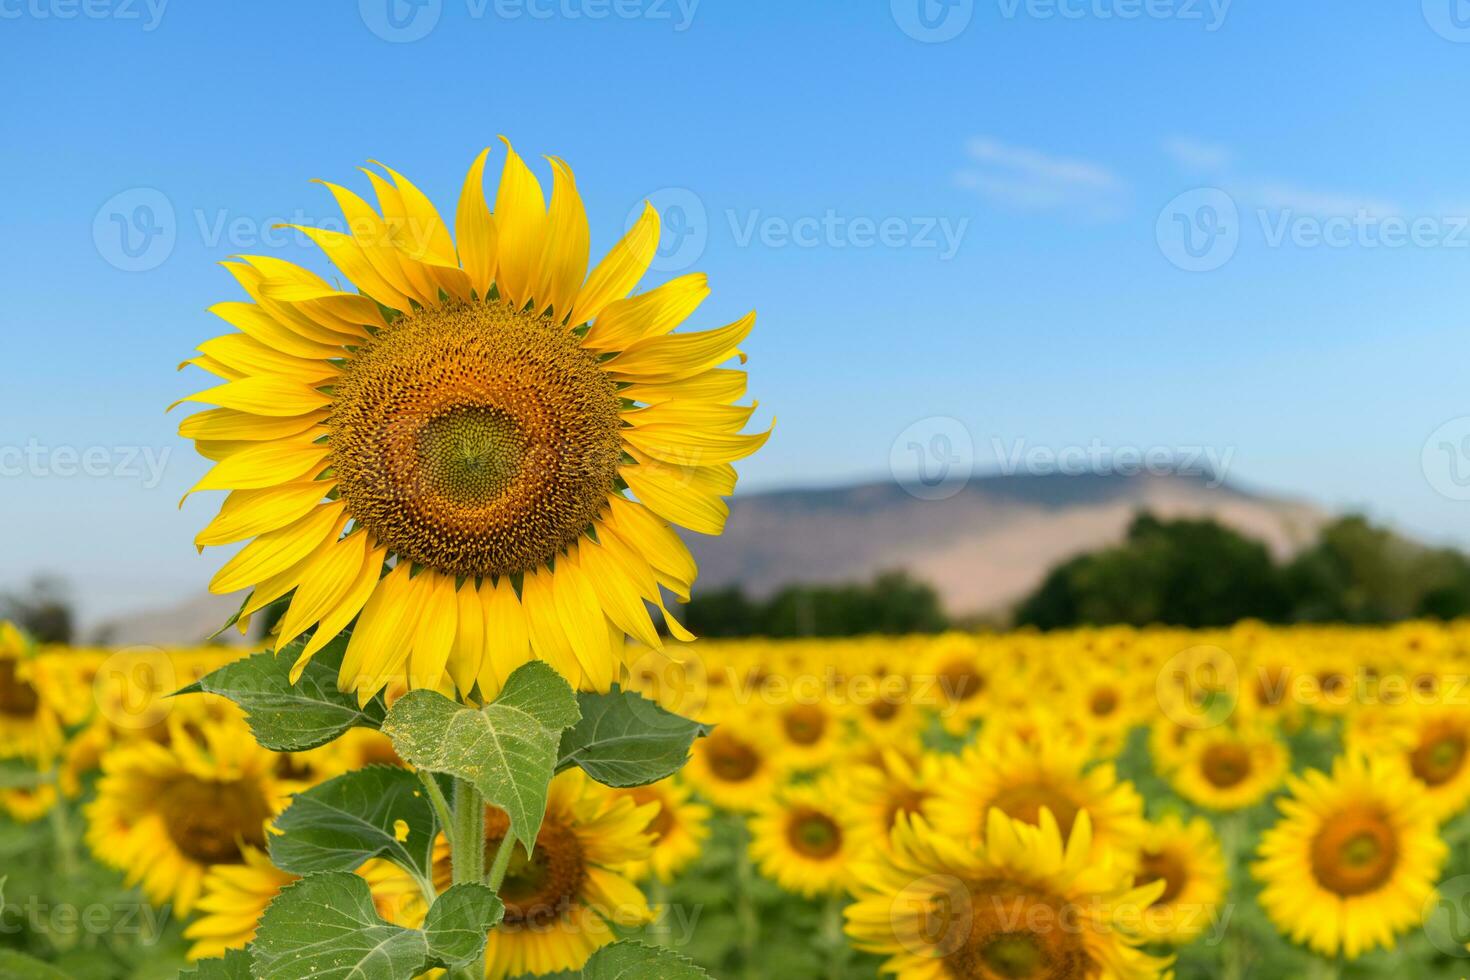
(1229, 768)
(166, 814)
(734, 767)
(30, 725)
(679, 828)
(1438, 754)
(1353, 859)
(878, 795)
(1026, 905)
(1104, 702)
(803, 839)
(1187, 858)
(1024, 779)
(806, 734)
(470, 420)
(954, 682)
(563, 902)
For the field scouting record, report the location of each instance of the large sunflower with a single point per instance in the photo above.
(1026, 905)
(445, 448)
(167, 814)
(1354, 859)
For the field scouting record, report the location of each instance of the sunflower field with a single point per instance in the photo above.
(1256, 802)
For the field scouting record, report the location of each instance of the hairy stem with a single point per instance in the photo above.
(467, 852)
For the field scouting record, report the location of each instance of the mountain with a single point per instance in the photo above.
(983, 548)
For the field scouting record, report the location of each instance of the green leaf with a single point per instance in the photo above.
(458, 922)
(18, 966)
(234, 965)
(325, 926)
(343, 822)
(629, 960)
(624, 739)
(16, 773)
(507, 749)
(292, 717)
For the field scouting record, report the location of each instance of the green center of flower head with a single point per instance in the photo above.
(1362, 850)
(1013, 956)
(814, 834)
(475, 439)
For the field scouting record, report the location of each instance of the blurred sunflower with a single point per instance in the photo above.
(1187, 858)
(953, 682)
(563, 902)
(679, 828)
(734, 767)
(1104, 702)
(805, 734)
(1229, 768)
(1024, 779)
(166, 814)
(30, 726)
(1438, 754)
(802, 839)
(878, 795)
(1353, 859)
(473, 415)
(1026, 905)
(233, 899)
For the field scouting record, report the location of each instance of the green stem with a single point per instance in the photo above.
(745, 912)
(1232, 837)
(658, 900)
(437, 800)
(832, 936)
(61, 835)
(502, 861)
(467, 853)
(1325, 969)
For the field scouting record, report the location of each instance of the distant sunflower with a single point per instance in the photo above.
(954, 683)
(30, 726)
(807, 734)
(474, 414)
(878, 795)
(1229, 769)
(1023, 780)
(803, 839)
(1026, 905)
(166, 814)
(1186, 858)
(734, 767)
(563, 903)
(1438, 755)
(1353, 859)
(679, 828)
(234, 896)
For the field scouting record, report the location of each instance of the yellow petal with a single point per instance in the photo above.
(671, 496)
(679, 355)
(646, 534)
(469, 638)
(476, 229)
(691, 446)
(378, 632)
(703, 415)
(618, 272)
(434, 638)
(264, 396)
(254, 321)
(228, 423)
(246, 513)
(507, 636)
(348, 256)
(399, 241)
(563, 262)
(351, 603)
(650, 314)
(548, 638)
(323, 585)
(520, 218)
(724, 385)
(275, 551)
(616, 594)
(249, 356)
(266, 465)
(584, 623)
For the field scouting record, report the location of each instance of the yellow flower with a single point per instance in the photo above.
(734, 767)
(1226, 768)
(876, 796)
(1023, 780)
(1353, 859)
(474, 415)
(679, 828)
(1025, 905)
(234, 898)
(803, 839)
(805, 734)
(563, 903)
(166, 814)
(1187, 858)
(1438, 755)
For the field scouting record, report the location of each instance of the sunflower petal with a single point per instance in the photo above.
(520, 217)
(620, 270)
(475, 228)
(650, 314)
(563, 263)
(275, 551)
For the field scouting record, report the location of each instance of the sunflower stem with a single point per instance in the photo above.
(1232, 838)
(467, 852)
(832, 936)
(745, 912)
(437, 800)
(501, 862)
(61, 835)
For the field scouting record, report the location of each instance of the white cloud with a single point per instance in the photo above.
(1271, 193)
(1197, 155)
(1031, 180)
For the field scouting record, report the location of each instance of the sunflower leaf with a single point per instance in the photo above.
(624, 739)
(380, 811)
(234, 965)
(291, 717)
(326, 926)
(629, 960)
(507, 749)
(19, 966)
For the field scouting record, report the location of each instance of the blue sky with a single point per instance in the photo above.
(975, 215)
